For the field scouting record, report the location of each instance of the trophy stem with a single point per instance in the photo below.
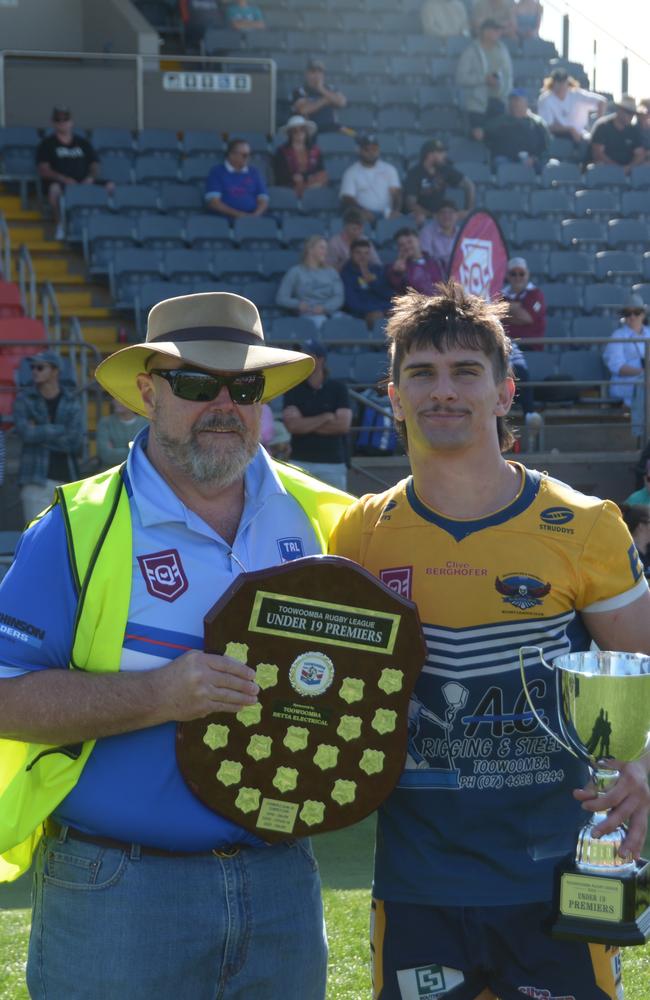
(601, 854)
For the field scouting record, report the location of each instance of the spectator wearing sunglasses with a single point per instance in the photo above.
(234, 188)
(48, 420)
(198, 502)
(526, 316)
(615, 140)
(625, 360)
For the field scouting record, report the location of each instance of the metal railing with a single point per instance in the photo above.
(5, 249)
(27, 280)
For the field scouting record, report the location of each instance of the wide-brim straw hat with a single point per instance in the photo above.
(217, 331)
(627, 103)
(297, 121)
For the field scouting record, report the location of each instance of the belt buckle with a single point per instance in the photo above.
(226, 852)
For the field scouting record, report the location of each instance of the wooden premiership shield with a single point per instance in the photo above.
(336, 655)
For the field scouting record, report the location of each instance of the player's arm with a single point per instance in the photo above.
(625, 629)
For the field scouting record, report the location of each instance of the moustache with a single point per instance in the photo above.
(446, 410)
(214, 422)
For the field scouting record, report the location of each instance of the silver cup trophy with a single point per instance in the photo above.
(603, 713)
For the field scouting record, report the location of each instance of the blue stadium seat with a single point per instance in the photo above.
(217, 41)
(600, 203)
(538, 47)
(562, 299)
(501, 202)
(262, 293)
(585, 366)
(296, 230)
(277, 264)
(549, 201)
(336, 142)
(618, 263)
(604, 296)
(269, 41)
(385, 45)
(159, 232)
(128, 270)
(439, 119)
(197, 168)
(538, 264)
(149, 294)
(645, 260)
(320, 201)
(188, 265)
(370, 367)
(479, 173)
(180, 198)
(158, 142)
(283, 199)
(537, 233)
(640, 177)
(605, 175)
(399, 119)
(103, 234)
(240, 265)
(259, 232)
(118, 169)
(586, 234)
(113, 140)
(395, 95)
(78, 202)
(541, 365)
(456, 44)
(556, 174)
(294, 328)
(642, 289)
(361, 119)
(208, 231)
(591, 326)
(343, 328)
(386, 228)
(516, 175)
(635, 204)
(201, 142)
(627, 234)
(155, 170)
(135, 200)
(571, 264)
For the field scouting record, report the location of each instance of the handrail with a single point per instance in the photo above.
(142, 64)
(5, 249)
(50, 304)
(27, 280)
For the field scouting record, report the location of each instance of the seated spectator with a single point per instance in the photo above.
(528, 17)
(413, 268)
(614, 139)
(197, 16)
(63, 159)
(338, 248)
(501, 11)
(526, 315)
(298, 163)
(524, 395)
(444, 18)
(637, 518)
(438, 237)
(115, 434)
(643, 122)
(367, 292)
(565, 107)
(48, 420)
(318, 415)
(311, 288)
(244, 16)
(233, 188)
(518, 136)
(484, 76)
(642, 496)
(371, 185)
(316, 100)
(426, 184)
(625, 361)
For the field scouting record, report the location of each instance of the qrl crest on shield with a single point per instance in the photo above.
(163, 574)
(476, 269)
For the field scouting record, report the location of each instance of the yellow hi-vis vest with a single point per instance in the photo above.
(35, 777)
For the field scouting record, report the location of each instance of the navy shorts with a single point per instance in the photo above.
(426, 952)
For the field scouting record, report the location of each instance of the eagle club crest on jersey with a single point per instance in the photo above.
(524, 592)
(164, 574)
(399, 579)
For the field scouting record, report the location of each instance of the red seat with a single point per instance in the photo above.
(10, 304)
(7, 397)
(21, 328)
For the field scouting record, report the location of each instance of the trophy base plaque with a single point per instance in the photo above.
(602, 909)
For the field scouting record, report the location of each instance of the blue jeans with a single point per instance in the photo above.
(120, 925)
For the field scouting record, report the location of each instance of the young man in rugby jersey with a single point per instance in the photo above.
(496, 557)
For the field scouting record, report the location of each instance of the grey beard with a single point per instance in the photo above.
(221, 468)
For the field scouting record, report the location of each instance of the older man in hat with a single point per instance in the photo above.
(615, 139)
(48, 420)
(625, 359)
(141, 890)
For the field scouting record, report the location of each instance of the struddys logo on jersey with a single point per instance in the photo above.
(311, 674)
(476, 269)
(399, 579)
(523, 592)
(163, 574)
(385, 514)
(556, 519)
(542, 994)
(290, 549)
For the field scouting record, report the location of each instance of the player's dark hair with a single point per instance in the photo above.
(452, 318)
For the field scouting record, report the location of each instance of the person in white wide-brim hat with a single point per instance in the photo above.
(298, 163)
(137, 556)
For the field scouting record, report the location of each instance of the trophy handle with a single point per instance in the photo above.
(547, 729)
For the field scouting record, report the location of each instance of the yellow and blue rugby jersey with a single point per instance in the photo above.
(484, 810)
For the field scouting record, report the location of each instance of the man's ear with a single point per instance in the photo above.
(507, 391)
(393, 395)
(145, 384)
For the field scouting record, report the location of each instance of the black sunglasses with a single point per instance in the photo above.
(203, 387)
(517, 274)
(633, 312)
(39, 368)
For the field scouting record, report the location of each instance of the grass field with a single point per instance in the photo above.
(346, 864)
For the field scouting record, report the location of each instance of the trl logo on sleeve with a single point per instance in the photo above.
(428, 982)
(164, 574)
(399, 579)
(290, 548)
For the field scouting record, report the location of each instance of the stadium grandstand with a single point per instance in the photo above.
(159, 99)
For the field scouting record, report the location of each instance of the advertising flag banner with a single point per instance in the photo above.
(480, 256)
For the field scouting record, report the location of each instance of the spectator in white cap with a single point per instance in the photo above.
(625, 361)
(526, 306)
(298, 162)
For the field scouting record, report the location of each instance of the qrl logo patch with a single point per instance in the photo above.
(164, 574)
(399, 579)
(477, 269)
(290, 548)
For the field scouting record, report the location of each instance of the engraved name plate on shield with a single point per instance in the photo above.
(336, 655)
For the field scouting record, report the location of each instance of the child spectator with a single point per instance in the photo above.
(367, 293)
(338, 248)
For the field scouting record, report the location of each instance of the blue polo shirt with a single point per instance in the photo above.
(239, 189)
(131, 788)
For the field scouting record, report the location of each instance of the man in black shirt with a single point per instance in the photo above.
(318, 415)
(64, 158)
(614, 139)
(316, 101)
(519, 136)
(427, 183)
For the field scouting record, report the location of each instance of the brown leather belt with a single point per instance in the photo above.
(54, 829)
